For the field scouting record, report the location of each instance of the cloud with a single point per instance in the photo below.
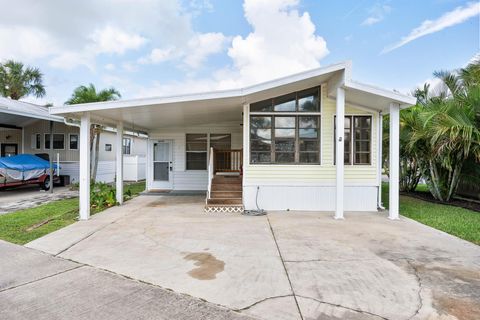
(70, 34)
(283, 41)
(376, 14)
(191, 54)
(114, 40)
(203, 45)
(448, 19)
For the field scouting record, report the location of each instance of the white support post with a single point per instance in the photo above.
(84, 167)
(339, 158)
(393, 211)
(380, 160)
(119, 162)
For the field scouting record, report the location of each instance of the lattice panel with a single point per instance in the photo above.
(224, 209)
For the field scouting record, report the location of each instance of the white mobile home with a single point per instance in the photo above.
(25, 128)
(310, 141)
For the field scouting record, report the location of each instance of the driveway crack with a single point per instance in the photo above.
(260, 301)
(42, 278)
(285, 268)
(420, 287)
(344, 307)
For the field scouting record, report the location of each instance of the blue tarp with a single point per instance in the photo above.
(25, 162)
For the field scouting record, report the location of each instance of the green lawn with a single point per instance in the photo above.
(459, 222)
(26, 225)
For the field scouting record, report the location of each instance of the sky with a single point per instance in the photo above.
(148, 48)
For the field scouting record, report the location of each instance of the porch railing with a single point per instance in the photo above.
(228, 160)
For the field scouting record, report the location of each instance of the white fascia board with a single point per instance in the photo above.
(32, 115)
(235, 93)
(400, 98)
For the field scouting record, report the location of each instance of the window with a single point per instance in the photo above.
(286, 139)
(362, 140)
(73, 141)
(127, 145)
(108, 147)
(302, 101)
(58, 141)
(357, 140)
(36, 143)
(196, 149)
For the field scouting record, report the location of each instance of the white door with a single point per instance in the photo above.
(162, 165)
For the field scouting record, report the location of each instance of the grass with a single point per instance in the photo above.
(27, 225)
(460, 222)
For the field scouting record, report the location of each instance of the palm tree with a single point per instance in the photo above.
(448, 133)
(18, 81)
(88, 94)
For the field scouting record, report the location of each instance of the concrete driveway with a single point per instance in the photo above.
(286, 265)
(30, 196)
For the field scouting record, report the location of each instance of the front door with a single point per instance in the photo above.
(162, 162)
(9, 149)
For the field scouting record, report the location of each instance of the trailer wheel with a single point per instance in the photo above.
(45, 185)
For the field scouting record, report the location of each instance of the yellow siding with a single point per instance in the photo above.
(324, 173)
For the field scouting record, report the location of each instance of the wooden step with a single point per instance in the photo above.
(231, 201)
(226, 194)
(227, 180)
(226, 187)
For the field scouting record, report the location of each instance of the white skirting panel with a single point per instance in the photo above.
(309, 198)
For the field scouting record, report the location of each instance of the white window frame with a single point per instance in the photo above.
(78, 140)
(55, 133)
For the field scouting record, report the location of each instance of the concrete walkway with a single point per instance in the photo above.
(293, 265)
(34, 285)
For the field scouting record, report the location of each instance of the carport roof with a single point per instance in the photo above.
(15, 113)
(211, 107)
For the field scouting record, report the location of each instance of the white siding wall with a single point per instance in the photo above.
(187, 179)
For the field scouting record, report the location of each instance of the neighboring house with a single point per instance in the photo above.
(25, 128)
(280, 144)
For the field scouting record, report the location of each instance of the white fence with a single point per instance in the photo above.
(133, 169)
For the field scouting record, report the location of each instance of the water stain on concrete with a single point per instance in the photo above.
(464, 309)
(207, 265)
(156, 204)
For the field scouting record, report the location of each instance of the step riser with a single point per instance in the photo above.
(226, 187)
(226, 182)
(227, 194)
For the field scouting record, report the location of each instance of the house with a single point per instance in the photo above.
(25, 128)
(309, 141)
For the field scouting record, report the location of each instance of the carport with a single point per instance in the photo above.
(15, 115)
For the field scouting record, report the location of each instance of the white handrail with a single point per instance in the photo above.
(210, 173)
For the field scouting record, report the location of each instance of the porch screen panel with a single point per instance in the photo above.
(196, 151)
